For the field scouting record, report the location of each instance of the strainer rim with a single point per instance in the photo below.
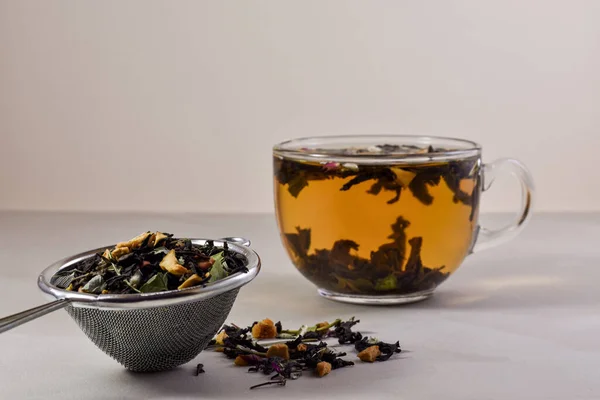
(149, 300)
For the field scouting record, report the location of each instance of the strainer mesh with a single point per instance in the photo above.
(155, 339)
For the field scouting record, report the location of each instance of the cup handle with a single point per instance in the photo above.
(486, 238)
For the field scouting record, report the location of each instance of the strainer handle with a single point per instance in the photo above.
(17, 319)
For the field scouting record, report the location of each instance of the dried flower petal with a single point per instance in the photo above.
(331, 166)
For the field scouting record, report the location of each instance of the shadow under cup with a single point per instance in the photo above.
(384, 219)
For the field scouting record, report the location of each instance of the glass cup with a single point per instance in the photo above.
(385, 219)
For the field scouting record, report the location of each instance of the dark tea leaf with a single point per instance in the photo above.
(385, 179)
(386, 349)
(370, 174)
(419, 185)
(475, 198)
(300, 242)
(296, 185)
(375, 188)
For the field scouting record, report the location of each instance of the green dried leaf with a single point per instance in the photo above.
(157, 283)
(94, 285)
(218, 270)
(160, 250)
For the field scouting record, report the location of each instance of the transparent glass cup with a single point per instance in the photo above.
(386, 219)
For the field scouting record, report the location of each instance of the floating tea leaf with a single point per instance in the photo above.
(300, 242)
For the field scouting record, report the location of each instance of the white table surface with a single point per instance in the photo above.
(520, 321)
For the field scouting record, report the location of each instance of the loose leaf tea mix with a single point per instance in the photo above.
(298, 351)
(333, 218)
(151, 262)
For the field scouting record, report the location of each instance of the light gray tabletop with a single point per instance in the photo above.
(520, 321)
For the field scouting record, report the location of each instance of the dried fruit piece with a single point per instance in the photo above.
(118, 252)
(279, 350)
(369, 354)
(159, 238)
(170, 264)
(240, 361)
(264, 329)
(107, 254)
(221, 337)
(323, 368)
(135, 242)
(301, 347)
(191, 281)
(206, 265)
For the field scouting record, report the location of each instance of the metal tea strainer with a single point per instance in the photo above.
(146, 331)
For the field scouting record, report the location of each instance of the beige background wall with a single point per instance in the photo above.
(174, 105)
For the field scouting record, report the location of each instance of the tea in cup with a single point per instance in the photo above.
(385, 219)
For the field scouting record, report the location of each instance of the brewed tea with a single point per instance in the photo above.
(377, 228)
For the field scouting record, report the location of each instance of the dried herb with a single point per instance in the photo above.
(218, 270)
(301, 354)
(151, 262)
